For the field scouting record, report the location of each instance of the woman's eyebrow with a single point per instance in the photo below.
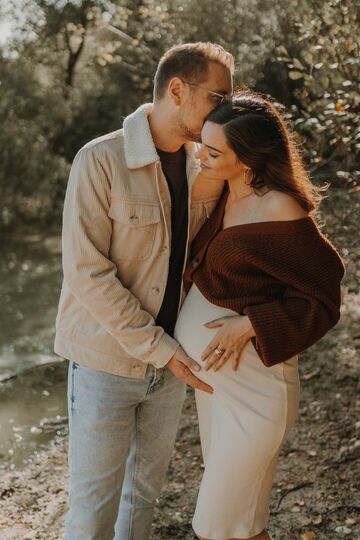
(212, 148)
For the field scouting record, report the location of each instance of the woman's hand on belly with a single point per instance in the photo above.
(227, 345)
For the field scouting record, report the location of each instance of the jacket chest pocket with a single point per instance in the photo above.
(134, 229)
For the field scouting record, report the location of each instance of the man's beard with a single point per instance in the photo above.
(187, 133)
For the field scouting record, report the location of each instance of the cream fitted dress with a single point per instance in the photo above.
(242, 426)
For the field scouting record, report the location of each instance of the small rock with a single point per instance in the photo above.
(343, 450)
(178, 517)
(343, 531)
(354, 451)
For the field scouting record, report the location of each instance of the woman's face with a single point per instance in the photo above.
(217, 159)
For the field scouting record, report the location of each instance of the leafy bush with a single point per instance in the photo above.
(321, 54)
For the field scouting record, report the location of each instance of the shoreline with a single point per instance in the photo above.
(33, 501)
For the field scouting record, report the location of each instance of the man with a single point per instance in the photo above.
(131, 209)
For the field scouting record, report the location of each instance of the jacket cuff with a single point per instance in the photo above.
(164, 351)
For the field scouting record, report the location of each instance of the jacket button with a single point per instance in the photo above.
(155, 290)
(194, 262)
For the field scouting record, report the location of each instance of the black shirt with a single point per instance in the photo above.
(174, 168)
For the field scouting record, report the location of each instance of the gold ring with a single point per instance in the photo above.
(218, 351)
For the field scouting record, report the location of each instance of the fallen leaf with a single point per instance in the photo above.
(310, 374)
(316, 520)
(340, 107)
(309, 535)
(305, 521)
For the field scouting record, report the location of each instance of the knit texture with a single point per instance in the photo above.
(284, 275)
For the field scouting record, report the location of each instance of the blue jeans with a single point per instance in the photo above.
(121, 435)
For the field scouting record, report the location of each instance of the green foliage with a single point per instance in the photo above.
(75, 68)
(321, 54)
(31, 173)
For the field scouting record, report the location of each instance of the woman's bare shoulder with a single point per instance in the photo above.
(279, 206)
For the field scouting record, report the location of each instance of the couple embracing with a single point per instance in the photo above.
(196, 264)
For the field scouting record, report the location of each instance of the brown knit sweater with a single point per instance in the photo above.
(284, 275)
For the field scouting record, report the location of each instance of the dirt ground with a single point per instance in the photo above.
(315, 495)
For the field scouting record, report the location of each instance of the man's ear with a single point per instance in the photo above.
(176, 90)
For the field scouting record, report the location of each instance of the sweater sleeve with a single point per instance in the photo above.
(310, 303)
(92, 276)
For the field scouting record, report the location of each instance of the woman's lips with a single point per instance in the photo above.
(203, 166)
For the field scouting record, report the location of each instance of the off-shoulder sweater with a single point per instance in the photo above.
(284, 275)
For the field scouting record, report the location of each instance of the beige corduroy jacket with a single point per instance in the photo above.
(116, 238)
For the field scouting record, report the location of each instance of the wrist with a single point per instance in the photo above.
(250, 328)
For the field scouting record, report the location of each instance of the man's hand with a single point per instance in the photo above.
(180, 365)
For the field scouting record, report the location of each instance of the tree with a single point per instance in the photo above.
(321, 55)
(75, 68)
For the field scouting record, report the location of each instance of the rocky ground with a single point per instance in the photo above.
(315, 495)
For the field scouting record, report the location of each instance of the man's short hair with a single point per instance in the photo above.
(189, 61)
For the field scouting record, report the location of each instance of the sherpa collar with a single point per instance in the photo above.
(139, 145)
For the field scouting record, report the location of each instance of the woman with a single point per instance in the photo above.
(262, 269)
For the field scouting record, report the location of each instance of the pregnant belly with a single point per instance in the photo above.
(252, 379)
(190, 331)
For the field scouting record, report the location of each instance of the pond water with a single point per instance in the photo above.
(32, 377)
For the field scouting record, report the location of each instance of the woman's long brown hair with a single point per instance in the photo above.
(257, 132)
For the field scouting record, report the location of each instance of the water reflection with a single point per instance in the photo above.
(32, 378)
(30, 280)
(32, 411)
